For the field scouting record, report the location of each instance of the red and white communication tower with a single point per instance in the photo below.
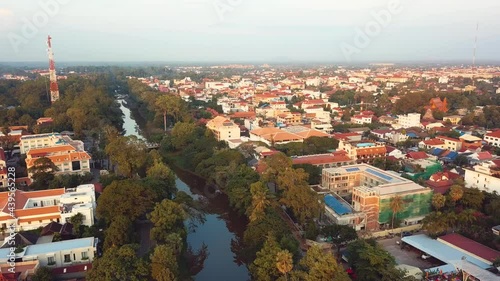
(54, 88)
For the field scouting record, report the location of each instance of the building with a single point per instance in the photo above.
(362, 119)
(470, 141)
(224, 129)
(36, 209)
(273, 136)
(485, 176)
(454, 119)
(20, 271)
(65, 157)
(409, 120)
(450, 143)
(432, 143)
(327, 160)
(363, 151)
(289, 119)
(341, 212)
(372, 190)
(47, 140)
(493, 138)
(61, 254)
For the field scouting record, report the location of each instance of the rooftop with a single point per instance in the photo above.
(441, 251)
(88, 242)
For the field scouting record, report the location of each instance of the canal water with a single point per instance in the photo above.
(222, 229)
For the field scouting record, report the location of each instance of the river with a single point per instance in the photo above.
(222, 225)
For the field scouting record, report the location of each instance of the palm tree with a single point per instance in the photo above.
(456, 193)
(284, 262)
(396, 207)
(260, 201)
(163, 104)
(438, 201)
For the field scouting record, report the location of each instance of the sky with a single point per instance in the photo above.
(250, 30)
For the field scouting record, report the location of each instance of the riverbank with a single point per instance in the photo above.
(223, 227)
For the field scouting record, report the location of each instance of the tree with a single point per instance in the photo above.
(119, 263)
(129, 153)
(42, 274)
(77, 220)
(284, 262)
(260, 201)
(438, 201)
(372, 263)
(119, 233)
(183, 134)
(456, 192)
(264, 266)
(339, 234)
(436, 223)
(161, 179)
(167, 217)
(472, 198)
(275, 164)
(171, 105)
(164, 265)
(125, 197)
(43, 165)
(297, 195)
(396, 205)
(318, 266)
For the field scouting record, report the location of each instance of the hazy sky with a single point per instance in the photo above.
(249, 30)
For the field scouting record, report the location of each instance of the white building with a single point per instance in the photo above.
(47, 140)
(224, 129)
(443, 80)
(493, 138)
(36, 209)
(485, 176)
(409, 120)
(57, 254)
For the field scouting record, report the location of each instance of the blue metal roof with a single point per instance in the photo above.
(452, 155)
(436, 151)
(336, 205)
(411, 135)
(441, 251)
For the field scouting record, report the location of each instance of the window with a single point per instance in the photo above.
(51, 260)
(67, 258)
(85, 255)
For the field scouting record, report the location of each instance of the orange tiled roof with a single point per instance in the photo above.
(36, 211)
(23, 197)
(40, 218)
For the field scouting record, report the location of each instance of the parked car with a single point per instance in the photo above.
(406, 233)
(425, 256)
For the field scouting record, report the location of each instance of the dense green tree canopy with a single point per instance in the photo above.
(124, 198)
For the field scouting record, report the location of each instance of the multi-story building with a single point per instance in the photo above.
(485, 176)
(362, 119)
(372, 191)
(61, 254)
(470, 141)
(224, 129)
(289, 119)
(450, 143)
(47, 140)
(65, 157)
(363, 151)
(36, 209)
(327, 160)
(493, 138)
(409, 120)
